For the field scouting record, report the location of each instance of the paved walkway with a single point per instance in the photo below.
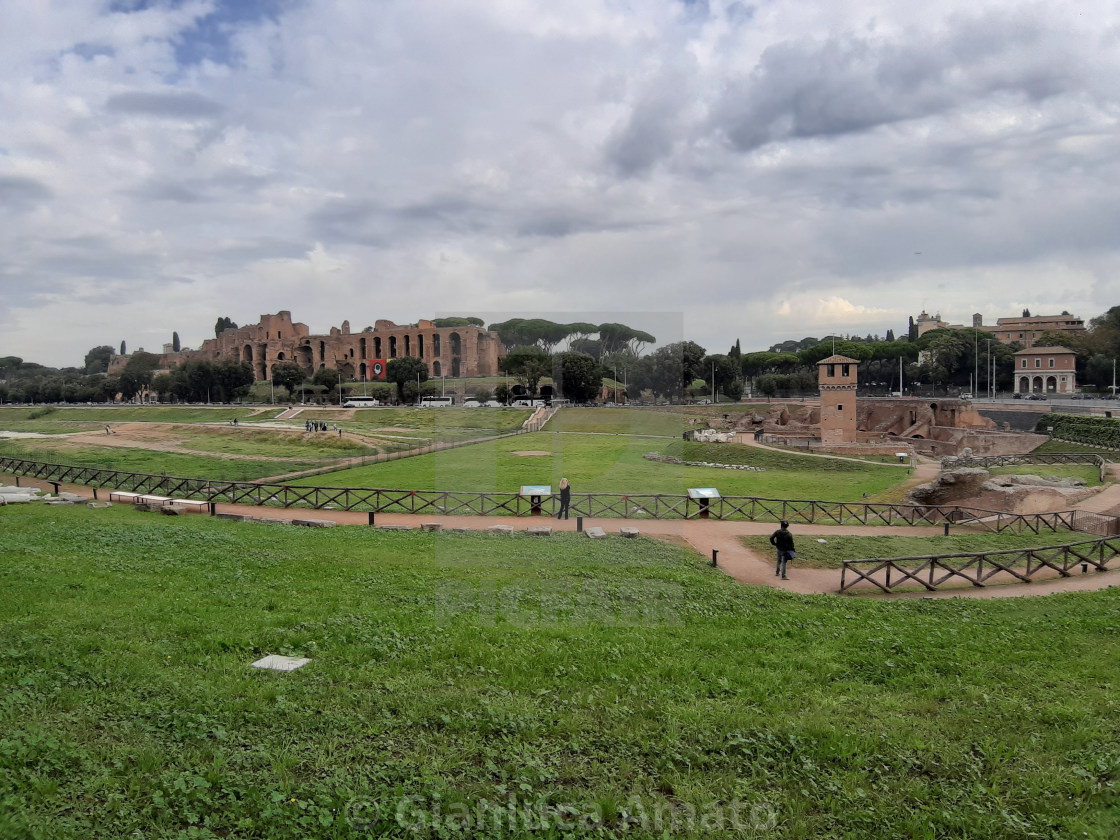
(734, 559)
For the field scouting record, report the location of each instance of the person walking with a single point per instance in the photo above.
(782, 540)
(565, 498)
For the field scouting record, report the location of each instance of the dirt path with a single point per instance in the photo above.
(703, 536)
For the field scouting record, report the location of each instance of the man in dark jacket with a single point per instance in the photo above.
(782, 540)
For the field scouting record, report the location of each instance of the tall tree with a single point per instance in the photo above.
(404, 371)
(224, 323)
(123, 348)
(288, 375)
(175, 346)
(528, 365)
(578, 375)
(97, 359)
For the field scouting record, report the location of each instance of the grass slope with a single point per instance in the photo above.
(569, 677)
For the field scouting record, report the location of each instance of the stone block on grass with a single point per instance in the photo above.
(539, 531)
(237, 517)
(629, 533)
(432, 527)
(394, 527)
(596, 533)
(500, 529)
(314, 523)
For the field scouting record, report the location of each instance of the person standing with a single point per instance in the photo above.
(565, 498)
(782, 540)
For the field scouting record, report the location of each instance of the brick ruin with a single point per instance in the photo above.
(448, 351)
(934, 427)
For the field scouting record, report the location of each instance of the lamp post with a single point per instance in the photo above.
(988, 365)
(340, 388)
(713, 381)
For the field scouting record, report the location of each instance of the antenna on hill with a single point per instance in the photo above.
(834, 345)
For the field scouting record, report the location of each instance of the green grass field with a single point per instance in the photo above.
(586, 683)
(610, 463)
(1089, 473)
(154, 462)
(129, 413)
(1062, 447)
(830, 553)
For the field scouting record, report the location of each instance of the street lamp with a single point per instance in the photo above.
(340, 387)
(988, 366)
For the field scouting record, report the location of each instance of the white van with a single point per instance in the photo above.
(436, 402)
(359, 402)
(527, 403)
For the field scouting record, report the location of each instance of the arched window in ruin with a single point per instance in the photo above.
(306, 356)
(408, 345)
(436, 351)
(362, 347)
(420, 347)
(280, 357)
(455, 366)
(456, 345)
(322, 351)
(247, 356)
(362, 371)
(347, 372)
(392, 347)
(436, 369)
(377, 347)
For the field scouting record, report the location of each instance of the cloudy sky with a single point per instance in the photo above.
(769, 170)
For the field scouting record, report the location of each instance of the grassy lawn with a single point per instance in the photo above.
(154, 462)
(568, 677)
(1062, 447)
(610, 464)
(1089, 473)
(128, 414)
(268, 442)
(817, 553)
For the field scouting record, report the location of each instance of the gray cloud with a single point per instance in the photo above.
(21, 193)
(182, 106)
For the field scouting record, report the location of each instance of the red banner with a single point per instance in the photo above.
(376, 368)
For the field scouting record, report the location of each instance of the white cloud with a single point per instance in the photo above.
(354, 160)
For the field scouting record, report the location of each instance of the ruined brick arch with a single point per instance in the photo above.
(347, 371)
(436, 342)
(280, 357)
(408, 345)
(456, 345)
(362, 370)
(437, 369)
(247, 354)
(362, 349)
(420, 346)
(455, 366)
(392, 347)
(306, 356)
(377, 347)
(322, 351)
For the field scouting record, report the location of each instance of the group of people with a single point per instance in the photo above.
(320, 426)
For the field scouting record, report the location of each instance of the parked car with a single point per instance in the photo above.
(471, 404)
(1037, 397)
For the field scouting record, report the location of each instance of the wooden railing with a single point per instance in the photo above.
(607, 505)
(986, 461)
(978, 568)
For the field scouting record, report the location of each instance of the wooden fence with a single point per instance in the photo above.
(606, 505)
(985, 461)
(977, 568)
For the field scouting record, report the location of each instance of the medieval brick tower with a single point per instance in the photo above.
(837, 380)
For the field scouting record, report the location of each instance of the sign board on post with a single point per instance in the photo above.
(536, 492)
(703, 497)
